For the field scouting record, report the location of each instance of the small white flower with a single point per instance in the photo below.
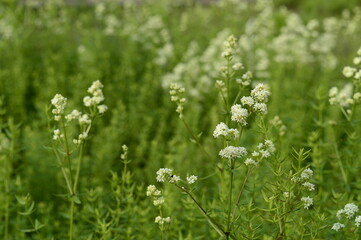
(151, 189)
(357, 60)
(309, 186)
(307, 202)
(250, 161)
(174, 179)
(102, 108)
(333, 92)
(237, 66)
(223, 130)
(295, 179)
(358, 221)
(247, 101)
(348, 71)
(163, 174)
(57, 134)
(260, 93)
(349, 211)
(84, 120)
(337, 226)
(232, 152)
(260, 108)
(306, 174)
(158, 201)
(161, 220)
(192, 179)
(75, 114)
(59, 102)
(239, 114)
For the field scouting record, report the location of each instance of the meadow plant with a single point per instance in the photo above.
(69, 149)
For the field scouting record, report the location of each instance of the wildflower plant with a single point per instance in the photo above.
(233, 156)
(68, 147)
(349, 97)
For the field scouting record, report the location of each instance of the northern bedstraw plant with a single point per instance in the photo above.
(233, 158)
(68, 147)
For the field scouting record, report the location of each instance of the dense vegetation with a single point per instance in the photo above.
(254, 104)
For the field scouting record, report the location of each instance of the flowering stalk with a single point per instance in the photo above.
(61, 138)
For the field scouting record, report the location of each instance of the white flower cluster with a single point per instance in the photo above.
(176, 92)
(358, 221)
(75, 114)
(260, 93)
(246, 79)
(97, 97)
(307, 202)
(343, 97)
(124, 155)
(302, 179)
(57, 135)
(229, 47)
(337, 226)
(346, 96)
(255, 103)
(192, 179)
(155, 194)
(265, 150)
(222, 130)
(239, 114)
(165, 174)
(199, 79)
(161, 221)
(354, 72)
(250, 162)
(59, 102)
(348, 212)
(82, 136)
(232, 152)
(309, 186)
(306, 174)
(302, 43)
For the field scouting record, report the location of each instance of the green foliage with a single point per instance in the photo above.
(52, 188)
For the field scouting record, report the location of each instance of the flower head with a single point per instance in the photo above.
(232, 152)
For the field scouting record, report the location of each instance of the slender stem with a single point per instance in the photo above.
(239, 196)
(343, 173)
(67, 151)
(212, 222)
(341, 165)
(76, 179)
(230, 198)
(71, 219)
(63, 170)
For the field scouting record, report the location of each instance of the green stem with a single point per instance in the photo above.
(230, 199)
(63, 170)
(71, 219)
(211, 221)
(67, 151)
(239, 197)
(77, 174)
(343, 173)
(341, 165)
